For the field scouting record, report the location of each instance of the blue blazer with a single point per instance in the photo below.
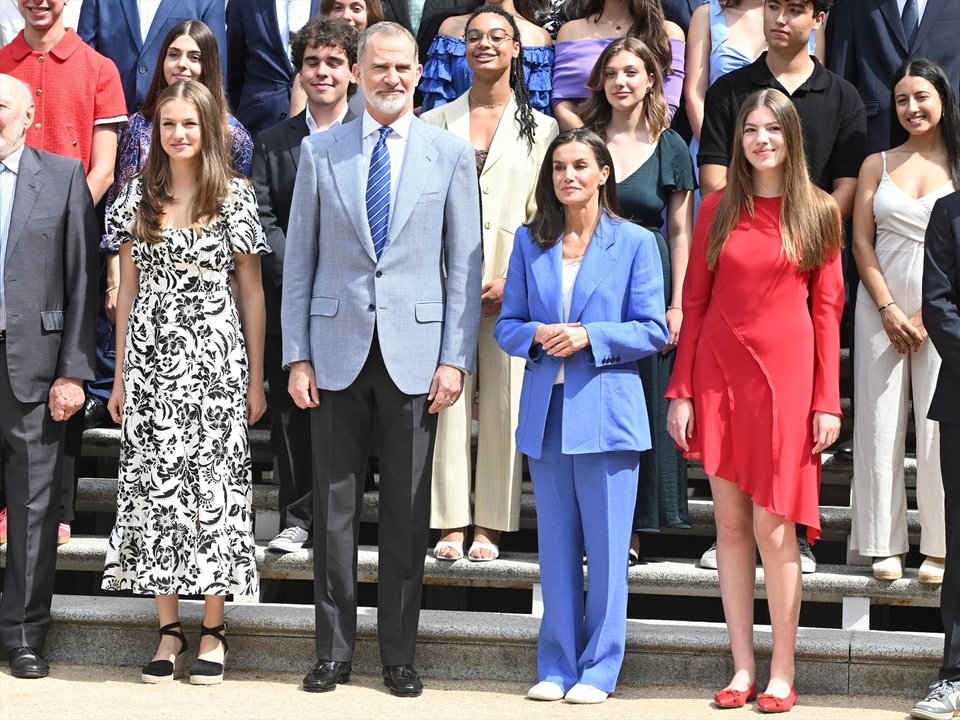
(260, 72)
(866, 45)
(618, 298)
(112, 28)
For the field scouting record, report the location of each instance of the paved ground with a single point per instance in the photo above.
(103, 693)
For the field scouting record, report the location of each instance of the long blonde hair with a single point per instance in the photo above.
(809, 217)
(214, 168)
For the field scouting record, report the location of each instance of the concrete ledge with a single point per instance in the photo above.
(122, 631)
(832, 583)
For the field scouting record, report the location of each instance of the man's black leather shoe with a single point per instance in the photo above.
(402, 680)
(25, 662)
(326, 675)
(96, 415)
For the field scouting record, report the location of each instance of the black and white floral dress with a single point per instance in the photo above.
(184, 518)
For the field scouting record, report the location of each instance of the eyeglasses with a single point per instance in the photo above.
(495, 37)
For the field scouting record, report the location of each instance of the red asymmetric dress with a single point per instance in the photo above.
(758, 354)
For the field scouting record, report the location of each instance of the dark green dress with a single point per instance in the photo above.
(662, 490)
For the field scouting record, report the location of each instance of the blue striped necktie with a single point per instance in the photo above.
(378, 192)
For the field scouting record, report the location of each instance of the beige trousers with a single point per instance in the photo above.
(883, 380)
(497, 487)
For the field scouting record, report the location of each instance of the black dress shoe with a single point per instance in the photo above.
(326, 675)
(25, 662)
(96, 415)
(402, 680)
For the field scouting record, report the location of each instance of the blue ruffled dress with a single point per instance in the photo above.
(446, 75)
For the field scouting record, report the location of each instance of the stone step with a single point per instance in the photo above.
(100, 495)
(498, 646)
(853, 586)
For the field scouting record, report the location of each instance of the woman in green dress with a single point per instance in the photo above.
(655, 183)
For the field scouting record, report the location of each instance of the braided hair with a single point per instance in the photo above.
(518, 82)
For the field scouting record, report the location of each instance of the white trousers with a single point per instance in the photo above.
(497, 487)
(883, 380)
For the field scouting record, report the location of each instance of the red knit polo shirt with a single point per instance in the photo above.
(73, 86)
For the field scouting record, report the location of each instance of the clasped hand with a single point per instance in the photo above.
(65, 398)
(905, 333)
(561, 339)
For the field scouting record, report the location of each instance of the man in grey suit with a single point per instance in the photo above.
(324, 53)
(380, 311)
(47, 319)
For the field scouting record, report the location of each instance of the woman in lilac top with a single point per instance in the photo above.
(580, 42)
(446, 74)
(189, 52)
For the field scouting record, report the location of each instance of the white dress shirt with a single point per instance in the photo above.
(291, 16)
(8, 186)
(396, 146)
(148, 11)
(921, 6)
(312, 124)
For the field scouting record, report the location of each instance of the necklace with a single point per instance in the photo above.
(617, 25)
(483, 105)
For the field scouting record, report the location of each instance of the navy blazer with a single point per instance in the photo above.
(941, 303)
(866, 45)
(259, 72)
(618, 298)
(112, 28)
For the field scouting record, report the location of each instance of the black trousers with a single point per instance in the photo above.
(950, 591)
(341, 427)
(30, 443)
(290, 442)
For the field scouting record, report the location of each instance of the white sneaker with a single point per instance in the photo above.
(709, 558)
(941, 703)
(888, 568)
(290, 540)
(581, 694)
(545, 690)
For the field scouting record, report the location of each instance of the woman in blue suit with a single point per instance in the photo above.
(582, 303)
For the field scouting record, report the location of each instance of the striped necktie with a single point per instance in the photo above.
(378, 192)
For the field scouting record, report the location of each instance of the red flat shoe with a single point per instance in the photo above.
(773, 704)
(730, 698)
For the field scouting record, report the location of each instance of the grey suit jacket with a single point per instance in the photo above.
(50, 276)
(423, 296)
(276, 154)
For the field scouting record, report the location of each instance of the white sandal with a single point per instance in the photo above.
(492, 547)
(456, 545)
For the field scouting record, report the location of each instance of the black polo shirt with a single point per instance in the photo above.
(831, 113)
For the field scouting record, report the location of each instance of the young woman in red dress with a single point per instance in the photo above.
(755, 389)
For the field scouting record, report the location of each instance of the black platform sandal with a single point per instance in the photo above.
(157, 671)
(204, 672)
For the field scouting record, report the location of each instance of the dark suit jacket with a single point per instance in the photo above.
(50, 276)
(434, 13)
(866, 45)
(112, 28)
(259, 72)
(276, 155)
(941, 303)
(680, 11)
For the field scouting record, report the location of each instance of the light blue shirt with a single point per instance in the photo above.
(8, 185)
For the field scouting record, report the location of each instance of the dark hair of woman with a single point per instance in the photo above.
(374, 10)
(533, 10)
(597, 111)
(809, 218)
(949, 121)
(211, 76)
(547, 223)
(214, 169)
(518, 82)
(648, 20)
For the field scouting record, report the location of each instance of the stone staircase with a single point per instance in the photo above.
(499, 640)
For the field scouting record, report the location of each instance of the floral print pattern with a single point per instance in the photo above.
(184, 518)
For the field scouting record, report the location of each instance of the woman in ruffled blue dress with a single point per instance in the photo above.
(446, 75)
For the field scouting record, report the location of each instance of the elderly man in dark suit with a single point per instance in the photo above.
(867, 40)
(941, 318)
(324, 52)
(47, 319)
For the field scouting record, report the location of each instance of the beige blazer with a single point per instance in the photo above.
(508, 179)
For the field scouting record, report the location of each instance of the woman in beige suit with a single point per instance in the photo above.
(510, 138)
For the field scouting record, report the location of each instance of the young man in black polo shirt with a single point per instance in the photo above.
(830, 109)
(832, 113)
